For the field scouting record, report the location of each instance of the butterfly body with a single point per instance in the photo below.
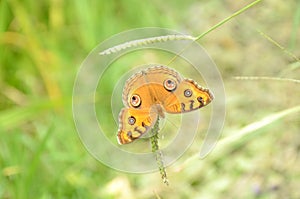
(152, 92)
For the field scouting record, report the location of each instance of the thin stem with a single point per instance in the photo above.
(158, 154)
(216, 26)
(227, 19)
(279, 45)
(267, 78)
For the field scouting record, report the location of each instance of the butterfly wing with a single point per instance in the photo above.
(148, 84)
(188, 96)
(146, 92)
(133, 123)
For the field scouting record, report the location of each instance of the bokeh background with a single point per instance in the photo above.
(43, 43)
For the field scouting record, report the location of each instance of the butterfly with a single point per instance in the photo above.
(150, 93)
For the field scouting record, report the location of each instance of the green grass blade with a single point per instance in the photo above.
(241, 136)
(228, 18)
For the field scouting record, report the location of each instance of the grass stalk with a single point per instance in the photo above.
(158, 153)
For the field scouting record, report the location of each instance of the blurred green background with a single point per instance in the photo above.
(43, 43)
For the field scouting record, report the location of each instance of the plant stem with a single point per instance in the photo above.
(158, 153)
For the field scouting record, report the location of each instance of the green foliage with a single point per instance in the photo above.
(43, 43)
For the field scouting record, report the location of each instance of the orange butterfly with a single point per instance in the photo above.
(150, 93)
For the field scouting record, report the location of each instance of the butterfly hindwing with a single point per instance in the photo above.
(187, 97)
(134, 123)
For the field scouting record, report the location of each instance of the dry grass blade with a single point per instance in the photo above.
(267, 78)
